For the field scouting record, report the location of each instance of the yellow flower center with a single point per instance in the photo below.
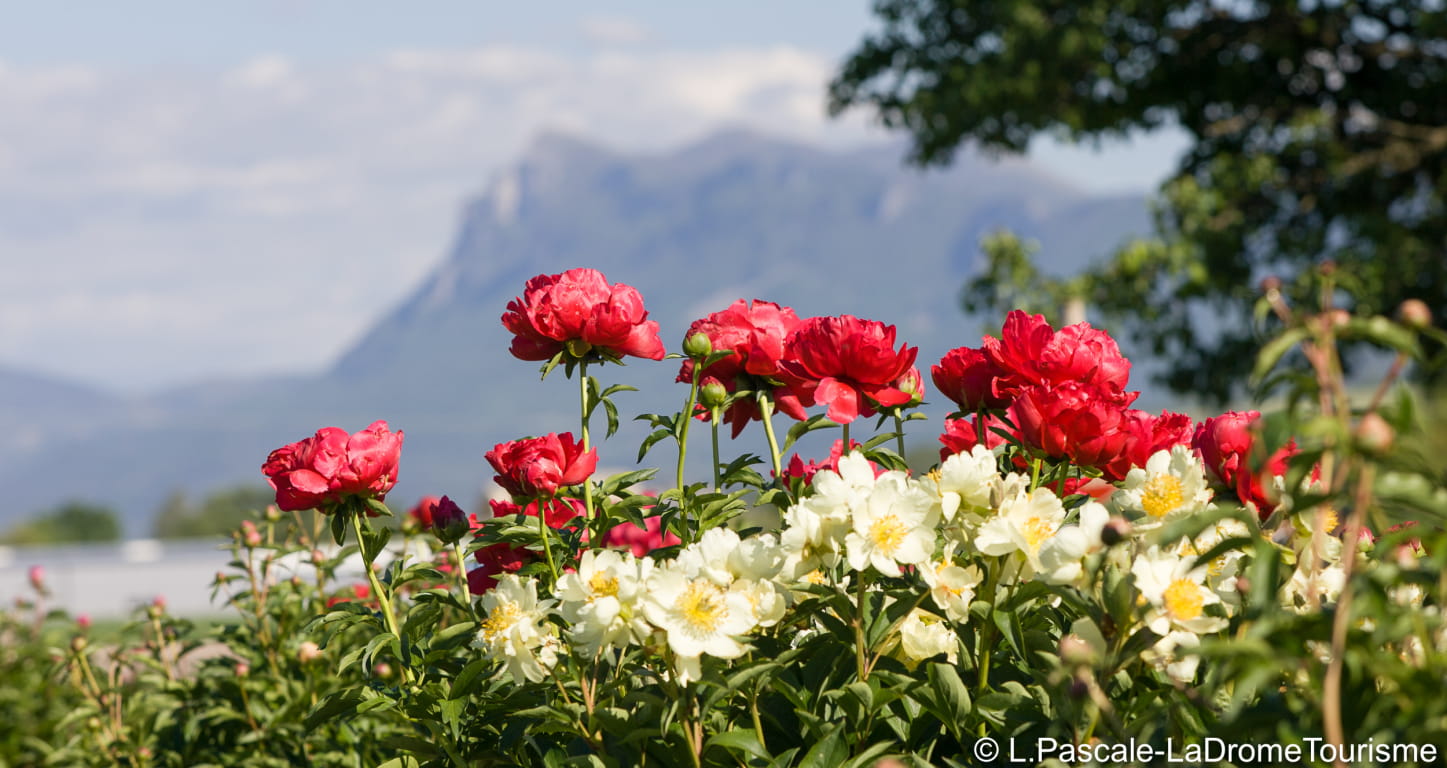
(887, 533)
(1329, 520)
(1163, 495)
(702, 606)
(602, 584)
(815, 577)
(1183, 600)
(500, 620)
(1037, 530)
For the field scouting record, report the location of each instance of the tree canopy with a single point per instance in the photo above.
(71, 522)
(1318, 134)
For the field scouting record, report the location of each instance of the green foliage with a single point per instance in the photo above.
(217, 515)
(1312, 138)
(72, 522)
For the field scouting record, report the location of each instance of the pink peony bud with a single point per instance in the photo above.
(308, 652)
(37, 579)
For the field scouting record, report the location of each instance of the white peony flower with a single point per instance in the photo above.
(1171, 484)
(1174, 588)
(952, 587)
(923, 635)
(1175, 654)
(515, 630)
(1326, 583)
(600, 599)
(698, 617)
(965, 481)
(894, 526)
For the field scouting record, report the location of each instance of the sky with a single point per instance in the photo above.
(198, 190)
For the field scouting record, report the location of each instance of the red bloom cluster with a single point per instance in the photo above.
(754, 332)
(578, 311)
(326, 469)
(798, 469)
(851, 366)
(1225, 444)
(536, 467)
(641, 541)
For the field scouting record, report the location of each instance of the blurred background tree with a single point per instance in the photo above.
(1318, 133)
(72, 522)
(219, 514)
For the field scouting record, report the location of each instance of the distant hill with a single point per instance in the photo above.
(734, 216)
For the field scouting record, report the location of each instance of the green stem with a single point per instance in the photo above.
(383, 598)
(766, 414)
(543, 506)
(687, 422)
(583, 399)
(461, 568)
(899, 434)
(859, 627)
(717, 414)
(847, 449)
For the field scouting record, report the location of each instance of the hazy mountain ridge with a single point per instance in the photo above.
(734, 216)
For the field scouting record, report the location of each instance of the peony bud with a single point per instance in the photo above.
(308, 652)
(272, 513)
(242, 669)
(449, 522)
(1116, 530)
(318, 557)
(1075, 651)
(713, 394)
(78, 643)
(37, 580)
(249, 535)
(1414, 313)
(1374, 434)
(698, 346)
(382, 670)
(83, 621)
(1270, 283)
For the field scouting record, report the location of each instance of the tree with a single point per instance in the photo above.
(219, 514)
(74, 521)
(1318, 135)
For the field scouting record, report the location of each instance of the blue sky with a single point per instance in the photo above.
(199, 189)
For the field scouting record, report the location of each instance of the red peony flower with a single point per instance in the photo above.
(560, 512)
(1030, 353)
(1224, 444)
(537, 466)
(797, 467)
(496, 560)
(641, 541)
(421, 512)
(754, 332)
(961, 435)
(967, 376)
(580, 312)
(1148, 434)
(1074, 421)
(322, 471)
(358, 592)
(848, 364)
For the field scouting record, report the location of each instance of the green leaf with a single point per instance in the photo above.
(815, 422)
(828, 752)
(740, 741)
(1276, 349)
(950, 695)
(341, 703)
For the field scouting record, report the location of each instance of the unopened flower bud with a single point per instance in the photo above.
(37, 580)
(1336, 318)
(78, 643)
(93, 723)
(272, 514)
(1405, 556)
(1414, 313)
(712, 393)
(83, 621)
(449, 522)
(318, 557)
(242, 669)
(382, 670)
(1374, 434)
(296, 582)
(1079, 689)
(1243, 585)
(698, 346)
(1075, 651)
(1270, 283)
(1116, 530)
(308, 652)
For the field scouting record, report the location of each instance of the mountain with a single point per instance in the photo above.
(736, 215)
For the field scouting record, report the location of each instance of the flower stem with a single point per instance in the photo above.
(766, 414)
(716, 416)
(587, 482)
(847, 449)
(859, 661)
(543, 506)
(383, 599)
(687, 422)
(899, 434)
(461, 566)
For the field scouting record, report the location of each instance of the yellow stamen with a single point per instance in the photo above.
(1183, 600)
(1037, 530)
(602, 584)
(887, 533)
(1163, 495)
(702, 606)
(500, 620)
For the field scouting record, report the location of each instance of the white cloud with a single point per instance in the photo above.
(170, 226)
(611, 31)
